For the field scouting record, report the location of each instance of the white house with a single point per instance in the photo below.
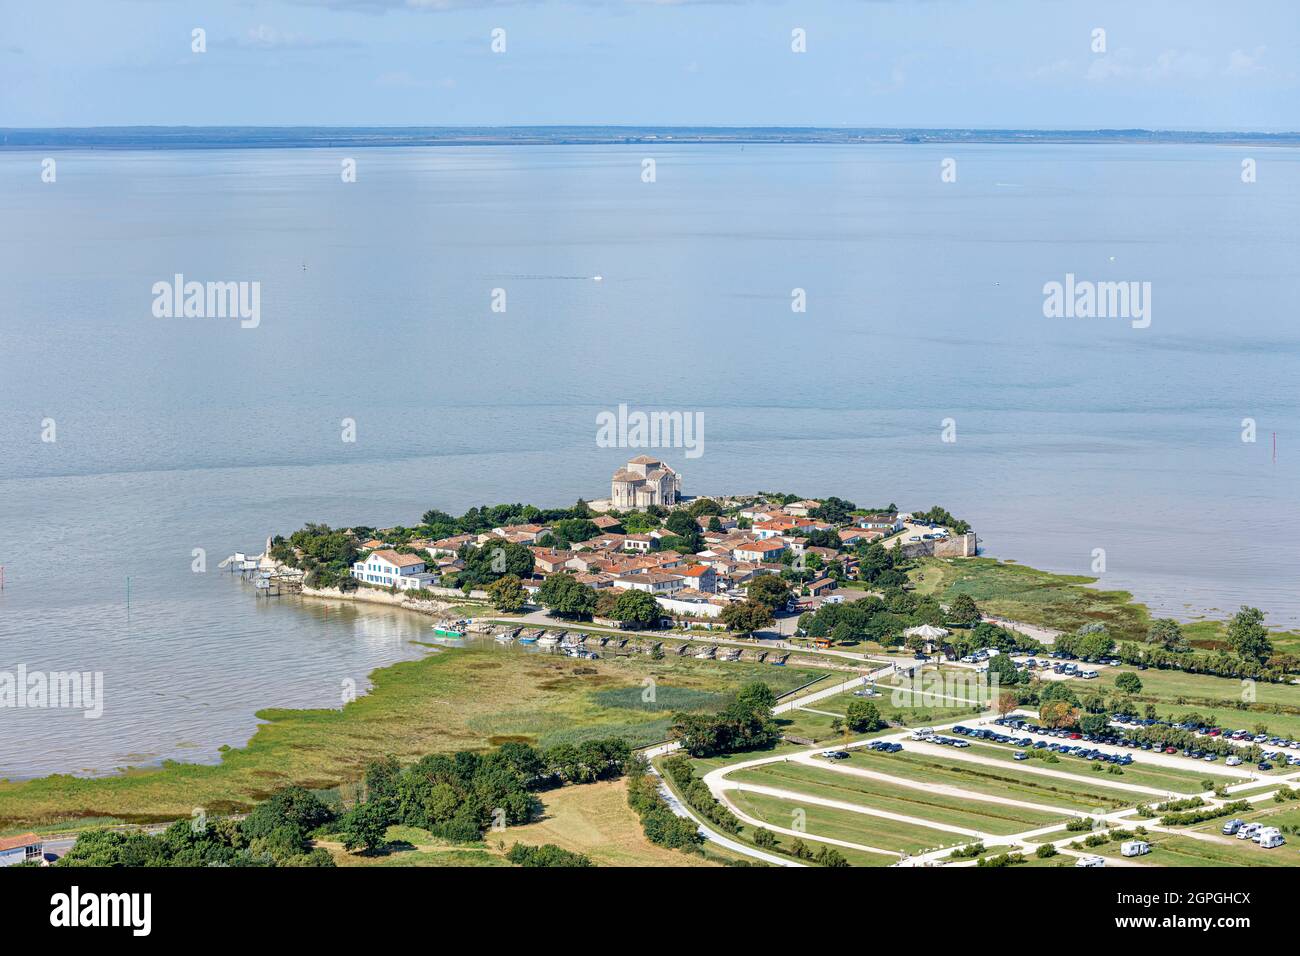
(693, 606)
(759, 551)
(27, 848)
(880, 522)
(654, 582)
(390, 569)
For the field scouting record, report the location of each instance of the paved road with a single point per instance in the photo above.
(926, 785)
(1035, 767)
(680, 809)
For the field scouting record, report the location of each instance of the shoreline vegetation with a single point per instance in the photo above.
(484, 695)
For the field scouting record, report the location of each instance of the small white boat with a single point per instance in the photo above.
(548, 640)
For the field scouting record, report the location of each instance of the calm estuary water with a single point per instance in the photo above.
(924, 302)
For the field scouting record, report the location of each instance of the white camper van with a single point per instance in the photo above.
(1090, 861)
(1270, 840)
(1135, 848)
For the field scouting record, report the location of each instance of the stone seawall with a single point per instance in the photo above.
(400, 599)
(957, 546)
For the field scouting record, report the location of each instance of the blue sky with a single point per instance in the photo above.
(1185, 64)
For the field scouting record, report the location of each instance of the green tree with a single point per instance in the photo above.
(835, 510)
(770, 590)
(364, 826)
(1005, 668)
(963, 611)
(637, 609)
(862, 716)
(565, 596)
(493, 559)
(1128, 682)
(681, 523)
(747, 616)
(1248, 636)
(1166, 632)
(1093, 723)
(507, 593)
(756, 696)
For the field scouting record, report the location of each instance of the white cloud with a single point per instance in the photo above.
(1123, 65)
(1241, 63)
(263, 37)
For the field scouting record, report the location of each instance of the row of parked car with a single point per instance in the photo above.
(1073, 750)
(1222, 733)
(1266, 761)
(1110, 661)
(885, 746)
(1242, 736)
(1266, 837)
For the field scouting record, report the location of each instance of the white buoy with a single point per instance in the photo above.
(597, 278)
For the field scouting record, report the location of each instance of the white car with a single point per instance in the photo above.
(1233, 761)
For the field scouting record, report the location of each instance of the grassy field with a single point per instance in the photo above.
(595, 820)
(1035, 597)
(1060, 601)
(410, 846)
(466, 698)
(1276, 706)
(1146, 775)
(901, 706)
(1268, 812)
(1011, 783)
(1189, 851)
(843, 825)
(939, 808)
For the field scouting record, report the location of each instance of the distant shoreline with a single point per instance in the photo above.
(361, 137)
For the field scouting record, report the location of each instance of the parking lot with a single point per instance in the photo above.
(1008, 783)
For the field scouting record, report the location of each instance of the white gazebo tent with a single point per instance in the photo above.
(928, 633)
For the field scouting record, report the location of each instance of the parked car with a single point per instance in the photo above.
(1232, 826)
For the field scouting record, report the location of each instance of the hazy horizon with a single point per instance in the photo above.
(940, 64)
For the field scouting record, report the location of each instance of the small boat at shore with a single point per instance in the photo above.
(550, 639)
(530, 636)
